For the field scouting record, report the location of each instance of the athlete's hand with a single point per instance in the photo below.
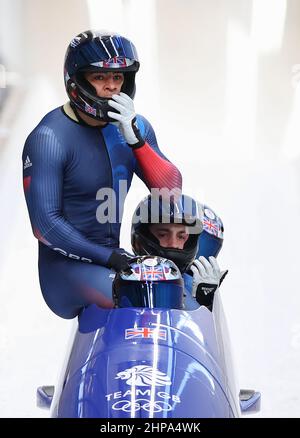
(207, 277)
(126, 117)
(119, 261)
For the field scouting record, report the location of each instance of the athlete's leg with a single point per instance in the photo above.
(69, 285)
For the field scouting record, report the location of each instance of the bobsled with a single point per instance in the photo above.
(149, 357)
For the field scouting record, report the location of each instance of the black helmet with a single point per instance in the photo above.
(150, 282)
(95, 51)
(155, 209)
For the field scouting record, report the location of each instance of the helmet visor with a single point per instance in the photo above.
(118, 64)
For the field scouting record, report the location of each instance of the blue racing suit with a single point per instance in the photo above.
(70, 169)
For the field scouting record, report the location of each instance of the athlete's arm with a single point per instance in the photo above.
(43, 163)
(152, 166)
(154, 169)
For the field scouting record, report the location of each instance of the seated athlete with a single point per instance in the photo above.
(189, 234)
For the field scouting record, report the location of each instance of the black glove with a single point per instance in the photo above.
(205, 294)
(119, 261)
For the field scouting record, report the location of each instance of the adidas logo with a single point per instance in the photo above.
(27, 163)
(208, 290)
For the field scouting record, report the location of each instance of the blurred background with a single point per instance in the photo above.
(220, 83)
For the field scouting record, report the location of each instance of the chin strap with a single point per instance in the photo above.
(76, 112)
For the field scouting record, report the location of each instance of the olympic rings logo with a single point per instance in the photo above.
(141, 403)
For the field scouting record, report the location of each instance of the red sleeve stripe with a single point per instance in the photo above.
(158, 172)
(39, 236)
(26, 183)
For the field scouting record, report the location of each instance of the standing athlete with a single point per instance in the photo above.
(90, 146)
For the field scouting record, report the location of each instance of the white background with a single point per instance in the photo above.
(219, 82)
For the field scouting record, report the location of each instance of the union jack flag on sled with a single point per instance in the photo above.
(145, 332)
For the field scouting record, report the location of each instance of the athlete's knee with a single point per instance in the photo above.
(65, 311)
(94, 296)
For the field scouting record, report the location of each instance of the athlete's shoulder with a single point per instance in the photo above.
(57, 123)
(47, 135)
(147, 130)
(144, 124)
(48, 122)
(142, 120)
(54, 116)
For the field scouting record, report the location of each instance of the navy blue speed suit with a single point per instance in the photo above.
(66, 163)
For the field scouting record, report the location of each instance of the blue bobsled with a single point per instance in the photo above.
(149, 362)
